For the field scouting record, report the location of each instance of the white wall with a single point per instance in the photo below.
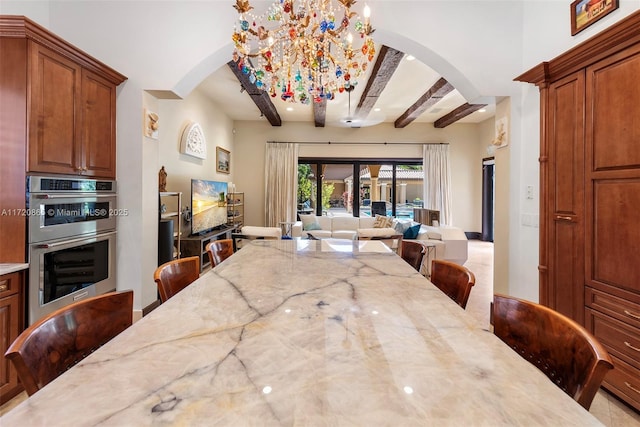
(175, 115)
(465, 157)
(503, 214)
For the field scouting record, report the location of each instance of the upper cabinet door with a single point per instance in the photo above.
(54, 85)
(98, 126)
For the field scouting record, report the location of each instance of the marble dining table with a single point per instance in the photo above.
(304, 333)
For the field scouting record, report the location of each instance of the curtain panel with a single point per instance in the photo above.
(281, 183)
(437, 180)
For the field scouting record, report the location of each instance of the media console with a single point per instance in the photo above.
(196, 245)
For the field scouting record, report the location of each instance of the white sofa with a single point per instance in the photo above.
(455, 242)
(336, 227)
(450, 242)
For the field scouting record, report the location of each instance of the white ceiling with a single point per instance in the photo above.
(410, 81)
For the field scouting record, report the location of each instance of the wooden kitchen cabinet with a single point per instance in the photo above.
(98, 129)
(590, 193)
(565, 213)
(55, 83)
(71, 102)
(12, 323)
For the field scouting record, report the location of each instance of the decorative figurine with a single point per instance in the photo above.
(162, 179)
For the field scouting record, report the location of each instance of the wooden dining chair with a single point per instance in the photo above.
(219, 250)
(566, 352)
(173, 276)
(58, 341)
(413, 253)
(453, 279)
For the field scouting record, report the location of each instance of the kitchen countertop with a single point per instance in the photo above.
(6, 268)
(304, 333)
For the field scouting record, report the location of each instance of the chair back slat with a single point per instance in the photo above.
(55, 343)
(561, 348)
(413, 253)
(453, 279)
(219, 250)
(173, 276)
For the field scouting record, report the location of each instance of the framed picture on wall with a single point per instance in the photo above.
(586, 12)
(223, 159)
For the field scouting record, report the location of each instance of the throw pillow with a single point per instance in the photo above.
(412, 232)
(312, 226)
(383, 222)
(308, 219)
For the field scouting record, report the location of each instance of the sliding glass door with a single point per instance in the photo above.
(360, 187)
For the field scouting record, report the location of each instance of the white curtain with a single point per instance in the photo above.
(281, 183)
(437, 180)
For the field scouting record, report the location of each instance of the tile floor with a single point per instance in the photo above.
(605, 407)
(609, 410)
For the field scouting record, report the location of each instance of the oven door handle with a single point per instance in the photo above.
(66, 242)
(71, 196)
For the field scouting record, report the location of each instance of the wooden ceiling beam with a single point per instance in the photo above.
(426, 101)
(384, 67)
(462, 111)
(320, 112)
(258, 96)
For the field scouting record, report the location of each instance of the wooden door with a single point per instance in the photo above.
(613, 173)
(98, 126)
(565, 208)
(54, 83)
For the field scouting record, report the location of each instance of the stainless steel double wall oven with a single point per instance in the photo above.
(72, 241)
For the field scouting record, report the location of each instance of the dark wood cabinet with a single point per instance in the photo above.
(590, 193)
(12, 323)
(71, 101)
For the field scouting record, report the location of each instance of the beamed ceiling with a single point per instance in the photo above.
(394, 89)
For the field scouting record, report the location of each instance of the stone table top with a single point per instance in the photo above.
(304, 333)
(6, 268)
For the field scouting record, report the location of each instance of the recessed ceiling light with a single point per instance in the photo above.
(376, 109)
(482, 110)
(289, 108)
(410, 57)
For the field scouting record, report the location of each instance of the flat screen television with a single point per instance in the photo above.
(208, 205)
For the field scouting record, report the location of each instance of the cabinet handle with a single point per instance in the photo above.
(3, 287)
(631, 387)
(563, 218)
(628, 313)
(631, 346)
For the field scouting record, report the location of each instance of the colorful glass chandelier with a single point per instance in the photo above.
(303, 50)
